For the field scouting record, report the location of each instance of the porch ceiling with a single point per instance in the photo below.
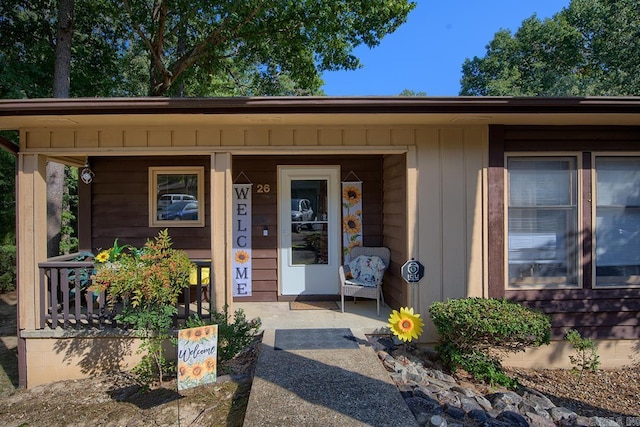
(316, 111)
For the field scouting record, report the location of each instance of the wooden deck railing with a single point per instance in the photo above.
(66, 301)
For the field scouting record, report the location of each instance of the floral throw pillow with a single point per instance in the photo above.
(367, 271)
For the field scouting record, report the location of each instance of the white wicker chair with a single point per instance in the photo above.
(348, 288)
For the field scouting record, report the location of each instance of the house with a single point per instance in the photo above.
(532, 199)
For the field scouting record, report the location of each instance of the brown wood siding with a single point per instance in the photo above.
(262, 170)
(120, 203)
(395, 227)
(596, 313)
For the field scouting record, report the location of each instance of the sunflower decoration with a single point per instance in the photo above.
(405, 324)
(102, 257)
(242, 257)
(197, 371)
(351, 224)
(351, 195)
(211, 364)
(183, 371)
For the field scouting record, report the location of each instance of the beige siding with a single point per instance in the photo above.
(450, 233)
(57, 359)
(95, 140)
(32, 235)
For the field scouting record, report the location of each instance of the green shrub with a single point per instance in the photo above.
(7, 267)
(148, 281)
(586, 358)
(233, 337)
(476, 332)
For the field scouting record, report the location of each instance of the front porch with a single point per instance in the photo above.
(360, 315)
(67, 303)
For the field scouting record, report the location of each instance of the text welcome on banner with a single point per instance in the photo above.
(241, 255)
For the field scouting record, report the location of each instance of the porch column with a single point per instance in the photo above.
(31, 218)
(220, 202)
(412, 215)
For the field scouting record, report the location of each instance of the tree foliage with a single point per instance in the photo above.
(589, 48)
(190, 47)
(256, 46)
(102, 63)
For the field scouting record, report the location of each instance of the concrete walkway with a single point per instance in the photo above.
(324, 387)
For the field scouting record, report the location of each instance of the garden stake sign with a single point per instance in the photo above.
(197, 356)
(405, 324)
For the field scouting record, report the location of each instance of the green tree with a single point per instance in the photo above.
(103, 62)
(588, 48)
(409, 92)
(261, 46)
(190, 48)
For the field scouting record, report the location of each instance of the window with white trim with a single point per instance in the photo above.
(542, 222)
(545, 217)
(617, 221)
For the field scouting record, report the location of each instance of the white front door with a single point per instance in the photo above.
(309, 224)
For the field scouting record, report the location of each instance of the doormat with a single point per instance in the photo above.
(315, 339)
(313, 305)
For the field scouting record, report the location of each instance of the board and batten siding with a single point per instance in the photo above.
(449, 188)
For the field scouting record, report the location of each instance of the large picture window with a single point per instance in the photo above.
(617, 221)
(542, 222)
(176, 196)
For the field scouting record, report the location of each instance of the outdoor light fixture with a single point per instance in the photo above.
(87, 174)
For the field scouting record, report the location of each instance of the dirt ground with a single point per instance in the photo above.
(117, 400)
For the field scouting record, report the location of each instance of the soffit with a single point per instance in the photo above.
(317, 111)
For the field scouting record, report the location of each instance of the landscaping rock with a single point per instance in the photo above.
(437, 399)
(559, 414)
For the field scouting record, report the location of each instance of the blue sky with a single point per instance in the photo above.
(427, 52)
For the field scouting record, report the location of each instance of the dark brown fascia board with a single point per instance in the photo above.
(320, 105)
(9, 146)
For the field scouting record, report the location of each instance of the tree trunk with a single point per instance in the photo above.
(61, 86)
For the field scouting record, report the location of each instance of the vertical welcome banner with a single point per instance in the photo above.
(241, 261)
(351, 217)
(197, 356)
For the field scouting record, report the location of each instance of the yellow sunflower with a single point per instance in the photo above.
(183, 371)
(242, 257)
(210, 331)
(197, 371)
(210, 364)
(351, 195)
(405, 325)
(198, 334)
(102, 256)
(351, 224)
(353, 245)
(185, 334)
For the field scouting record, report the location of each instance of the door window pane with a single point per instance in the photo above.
(542, 222)
(617, 228)
(309, 238)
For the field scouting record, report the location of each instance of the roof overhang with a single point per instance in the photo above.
(299, 111)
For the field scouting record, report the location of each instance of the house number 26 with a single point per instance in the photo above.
(263, 188)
